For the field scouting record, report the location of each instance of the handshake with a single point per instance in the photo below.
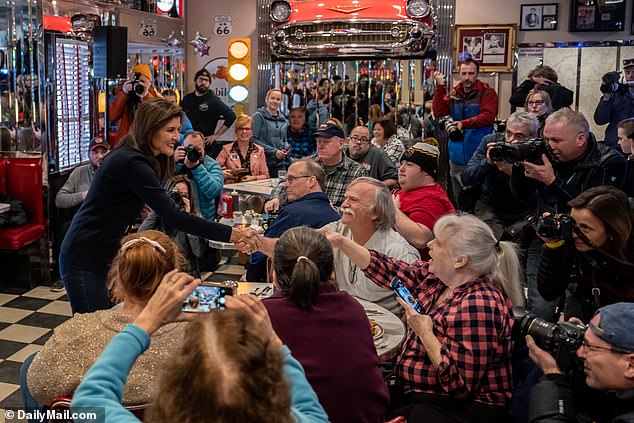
(246, 240)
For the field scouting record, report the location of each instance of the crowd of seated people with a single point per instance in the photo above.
(549, 234)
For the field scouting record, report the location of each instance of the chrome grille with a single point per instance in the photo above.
(349, 32)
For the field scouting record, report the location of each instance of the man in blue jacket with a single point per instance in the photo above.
(205, 173)
(308, 206)
(473, 105)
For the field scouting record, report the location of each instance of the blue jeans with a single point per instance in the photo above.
(536, 303)
(30, 403)
(87, 291)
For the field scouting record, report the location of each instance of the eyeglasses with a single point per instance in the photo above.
(535, 103)
(616, 350)
(244, 128)
(290, 179)
(628, 62)
(359, 140)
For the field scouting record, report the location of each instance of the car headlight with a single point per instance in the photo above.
(280, 11)
(418, 8)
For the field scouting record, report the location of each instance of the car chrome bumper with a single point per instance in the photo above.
(348, 39)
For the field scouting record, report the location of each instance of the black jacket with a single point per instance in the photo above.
(559, 95)
(599, 165)
(125, 182)
(552, 400)
(614, 278)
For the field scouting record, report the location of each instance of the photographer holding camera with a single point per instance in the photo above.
(607, 353)
(205, 172)
(131, 93)
(590, 247)
(542, 78)
(566, 162)
(473, 106)
(617, 101)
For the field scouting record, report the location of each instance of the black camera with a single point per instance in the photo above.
(176, 195)
(138, 87)
(192, 153)
(611, 83)
(554, 226)
(529, 151)
(446, 123)
(561, 340)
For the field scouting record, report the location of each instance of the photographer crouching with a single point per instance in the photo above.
(131, 93)
(606, 351)
(590, 247)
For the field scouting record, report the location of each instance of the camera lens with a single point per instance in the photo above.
(139, 89)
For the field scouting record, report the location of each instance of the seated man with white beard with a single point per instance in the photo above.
(368, 217)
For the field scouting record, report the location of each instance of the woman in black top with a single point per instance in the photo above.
(129, 178)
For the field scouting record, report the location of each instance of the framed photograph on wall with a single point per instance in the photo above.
(539, 17)
(601, 16)
(490, 45)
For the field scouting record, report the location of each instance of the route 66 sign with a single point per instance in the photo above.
(223, 25)
(148, 28)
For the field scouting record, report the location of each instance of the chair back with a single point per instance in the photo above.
(61, 407)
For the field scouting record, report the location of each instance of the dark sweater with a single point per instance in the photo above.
(334, 343)
(125, 182)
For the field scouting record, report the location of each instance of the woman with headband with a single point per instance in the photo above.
(327, 329)
(142, 262)
(128, 179)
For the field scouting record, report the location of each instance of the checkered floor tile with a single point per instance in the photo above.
(27, 321)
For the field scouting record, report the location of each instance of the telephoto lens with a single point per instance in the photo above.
(192, 153)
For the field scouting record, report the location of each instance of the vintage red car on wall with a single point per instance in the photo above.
(348, 28)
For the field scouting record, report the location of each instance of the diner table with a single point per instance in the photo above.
(263, 187)
(4, 207)
(388, 345)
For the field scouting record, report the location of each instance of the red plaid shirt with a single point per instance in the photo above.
(473, 326)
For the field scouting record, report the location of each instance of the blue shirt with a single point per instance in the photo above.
(313, 210)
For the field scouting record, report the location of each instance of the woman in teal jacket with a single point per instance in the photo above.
(269, 131)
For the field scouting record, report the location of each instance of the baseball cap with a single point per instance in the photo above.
(98, 142)
(143, 69)
(615, 326)
(424, 154)
(329, 130)
(202, 72)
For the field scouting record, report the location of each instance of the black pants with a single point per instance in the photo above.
(430, 408)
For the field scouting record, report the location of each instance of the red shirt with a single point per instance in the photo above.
(426, 205)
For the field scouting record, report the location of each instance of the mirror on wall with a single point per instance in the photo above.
(20, 114)
(354, 91)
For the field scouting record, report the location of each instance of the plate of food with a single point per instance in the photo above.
(377, 330)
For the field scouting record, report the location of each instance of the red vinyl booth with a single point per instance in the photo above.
(21, 179)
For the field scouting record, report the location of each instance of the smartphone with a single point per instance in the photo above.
(207, 297)
(400, 289)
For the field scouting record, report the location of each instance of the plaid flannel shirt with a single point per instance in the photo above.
(336, 181)
(302, 143)
(394, 148)
(473, 327)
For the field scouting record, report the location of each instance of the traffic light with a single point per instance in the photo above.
(239, 54)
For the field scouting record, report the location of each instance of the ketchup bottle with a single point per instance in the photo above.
(227, 209)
